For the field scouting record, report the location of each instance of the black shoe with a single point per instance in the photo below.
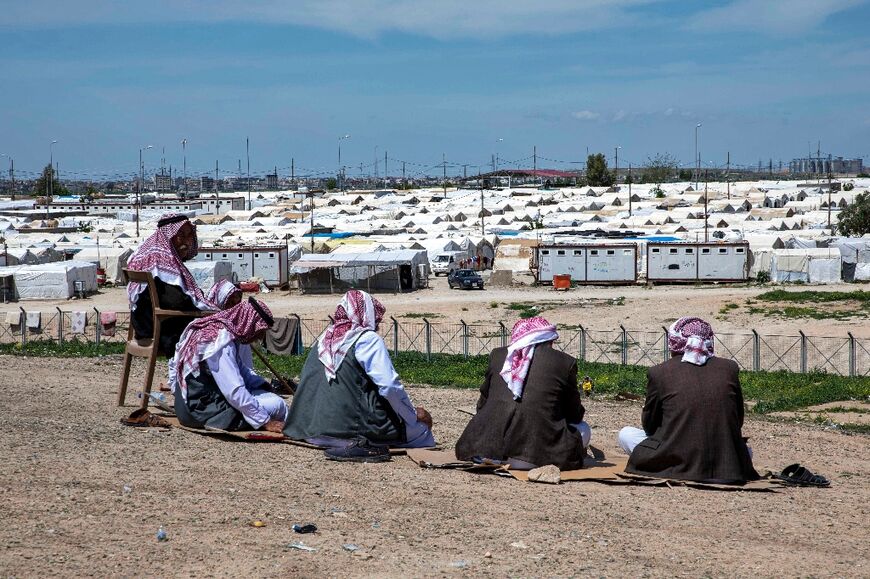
(359, 451)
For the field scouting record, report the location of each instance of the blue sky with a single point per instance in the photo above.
(429, 77)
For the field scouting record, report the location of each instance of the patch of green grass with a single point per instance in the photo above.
(426, 315)
(525, 310)
(815, 296)
(728, 307)
(493, 305)
(772, 391)
(69, 349)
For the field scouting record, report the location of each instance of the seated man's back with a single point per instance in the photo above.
(693, 417)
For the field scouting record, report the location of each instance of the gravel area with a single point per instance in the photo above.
(66, 511)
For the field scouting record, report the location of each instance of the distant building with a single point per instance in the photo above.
(272, 181)
(162, 183)
(825, 165)
(206, 184)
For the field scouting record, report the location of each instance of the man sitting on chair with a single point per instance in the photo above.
(163, 255)
(693, 414)
(529, 413)
(214, 386)
(349, 390)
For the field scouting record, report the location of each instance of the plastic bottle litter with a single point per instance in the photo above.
(127, 489)
(161, 535)
(301, 547)
(305, 529)
(350, 547)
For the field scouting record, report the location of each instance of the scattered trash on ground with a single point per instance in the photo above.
(305, 529)
(161, 535)
(301, 547)
(257, 524)
(350, 547)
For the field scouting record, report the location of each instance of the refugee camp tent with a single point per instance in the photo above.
(52, 281)
(806, 265)
(208, 273)
(111, 259)
(399, 270)
(855, 253)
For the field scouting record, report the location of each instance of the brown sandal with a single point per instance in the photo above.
(144, 419)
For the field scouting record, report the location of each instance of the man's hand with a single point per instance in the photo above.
(424, 416)
(274, 426)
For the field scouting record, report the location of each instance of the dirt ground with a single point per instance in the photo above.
(66, 461)
(596, 307)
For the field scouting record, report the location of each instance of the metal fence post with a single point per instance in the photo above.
(297, 348)
(756, 351)
(852, 357)
(464, 338)
(59, 326)
(97, 327)
(395, 337)
(22, 324)
(428, 330)
(666, 352)
(803, 352)
(624, 345)
(504, 335)
(582, 343)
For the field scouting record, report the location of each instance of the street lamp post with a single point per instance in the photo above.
(697, 158)
(140, 185)
(184, 153)
(616, 166)
(340, 170)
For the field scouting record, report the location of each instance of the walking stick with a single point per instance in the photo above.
(271, 369)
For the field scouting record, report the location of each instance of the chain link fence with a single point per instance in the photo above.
(843, 355)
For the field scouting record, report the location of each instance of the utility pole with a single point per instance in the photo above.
(293, 172)
(240, 173)
(217, 189)
(829, 203)
(248, 154)
(482, 214)
(616, 167)
(404, 183)
(728, 174)
(629, 189)
(444, 177)
(535, 160)
(385, 169)
(706, 239)
(697, 157)
(184, 149)
(12, 175)
(311, 211)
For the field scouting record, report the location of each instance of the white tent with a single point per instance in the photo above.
(806, 265)
(208, 273)
(112, 259)
(52, 280)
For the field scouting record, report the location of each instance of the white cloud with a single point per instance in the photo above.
(777, 16)
(586, 115)
(364, 18)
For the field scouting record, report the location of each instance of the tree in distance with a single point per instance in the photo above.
(854, 220)
(597, 174)
(659, 169)
(331, 184)
(41, 187)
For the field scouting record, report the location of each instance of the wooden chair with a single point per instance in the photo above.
(147, 347)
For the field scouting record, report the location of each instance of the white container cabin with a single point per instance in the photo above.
(588, 263)
(693, 262)
(266, 262)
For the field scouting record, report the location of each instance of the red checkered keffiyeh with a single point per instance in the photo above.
(693, 338)
(221, 292)
(358, 312)
(205, 337)
(158, 256)
(525, 335)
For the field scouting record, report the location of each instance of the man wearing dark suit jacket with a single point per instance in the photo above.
(529, 413)
(693, 414)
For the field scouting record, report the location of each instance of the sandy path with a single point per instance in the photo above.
(66, 459)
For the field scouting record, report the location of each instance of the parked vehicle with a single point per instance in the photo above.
(445, 263)
(465, 279)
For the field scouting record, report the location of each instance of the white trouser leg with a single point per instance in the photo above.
(274, 404)
(585, 432)
(629, 437)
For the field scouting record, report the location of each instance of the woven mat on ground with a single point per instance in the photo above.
(250, 435)
(763, 485)
(303, 444)
(428, 458)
